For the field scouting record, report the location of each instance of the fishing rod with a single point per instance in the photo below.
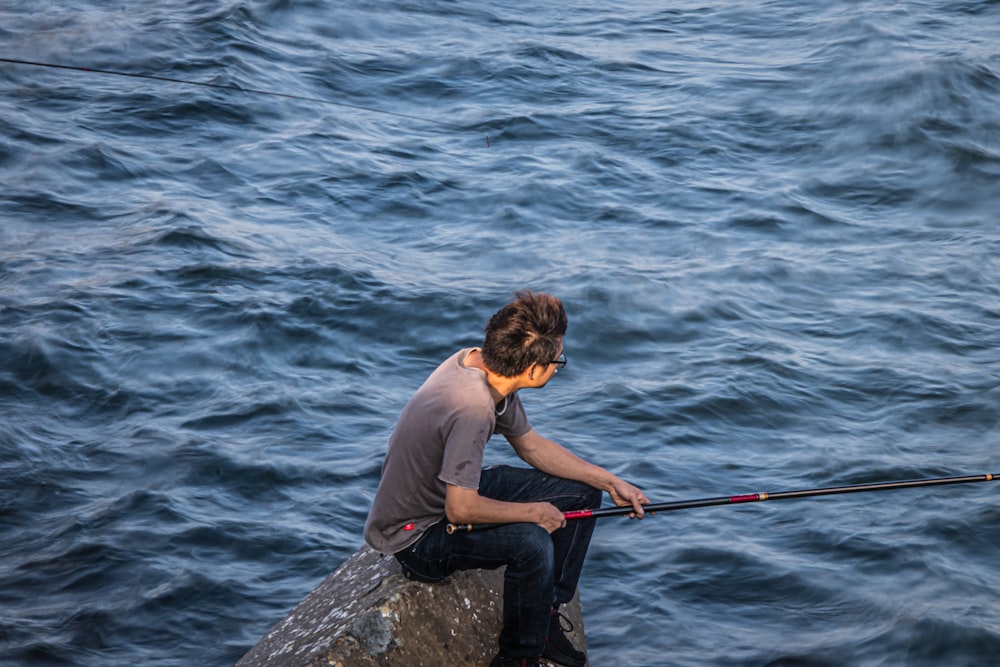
(747, 498)
(233, 88)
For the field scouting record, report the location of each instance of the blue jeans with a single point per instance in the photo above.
(542, 569)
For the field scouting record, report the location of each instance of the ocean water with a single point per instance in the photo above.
(774, 225)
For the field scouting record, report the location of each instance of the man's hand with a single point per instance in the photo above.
(550, 518)
(623, 493)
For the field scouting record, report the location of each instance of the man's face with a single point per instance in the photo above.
(545, 371)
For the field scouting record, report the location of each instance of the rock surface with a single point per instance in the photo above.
(367, 613)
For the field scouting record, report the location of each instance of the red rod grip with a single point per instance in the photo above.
(747, 498)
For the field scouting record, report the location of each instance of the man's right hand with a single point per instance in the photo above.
(551, 517)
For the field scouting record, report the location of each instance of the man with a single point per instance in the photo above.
(433, 475)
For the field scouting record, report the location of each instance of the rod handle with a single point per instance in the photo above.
(453, 528)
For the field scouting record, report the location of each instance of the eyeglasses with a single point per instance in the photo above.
(560, 362)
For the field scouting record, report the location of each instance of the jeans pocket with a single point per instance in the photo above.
(418, 569)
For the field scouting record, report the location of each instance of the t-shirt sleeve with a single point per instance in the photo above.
(465, 437)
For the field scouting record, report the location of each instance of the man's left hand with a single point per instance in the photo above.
(623, 493)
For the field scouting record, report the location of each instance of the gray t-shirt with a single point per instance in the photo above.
(439, 439)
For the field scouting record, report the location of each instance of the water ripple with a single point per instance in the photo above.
(772, 225)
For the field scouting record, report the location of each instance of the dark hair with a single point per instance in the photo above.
(526, 331)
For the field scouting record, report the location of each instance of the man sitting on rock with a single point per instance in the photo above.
(433, 475)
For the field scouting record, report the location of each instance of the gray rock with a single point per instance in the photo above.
(367, 613)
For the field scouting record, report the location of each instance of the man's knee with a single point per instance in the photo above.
(593, 497)
(585, 496)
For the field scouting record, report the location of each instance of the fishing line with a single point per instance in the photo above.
(252, 91)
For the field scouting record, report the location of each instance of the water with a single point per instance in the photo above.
(773, 225)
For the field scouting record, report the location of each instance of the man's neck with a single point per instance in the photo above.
(500, 386)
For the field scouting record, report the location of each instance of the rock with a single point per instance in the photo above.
(367, 613)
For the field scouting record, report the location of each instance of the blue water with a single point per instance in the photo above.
(774, 225)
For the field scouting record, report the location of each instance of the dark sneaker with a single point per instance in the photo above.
(559, 648)
(501, 661)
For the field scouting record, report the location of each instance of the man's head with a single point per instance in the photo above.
(527, 331)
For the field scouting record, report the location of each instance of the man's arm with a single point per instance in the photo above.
(554, 459)
(467, 506)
